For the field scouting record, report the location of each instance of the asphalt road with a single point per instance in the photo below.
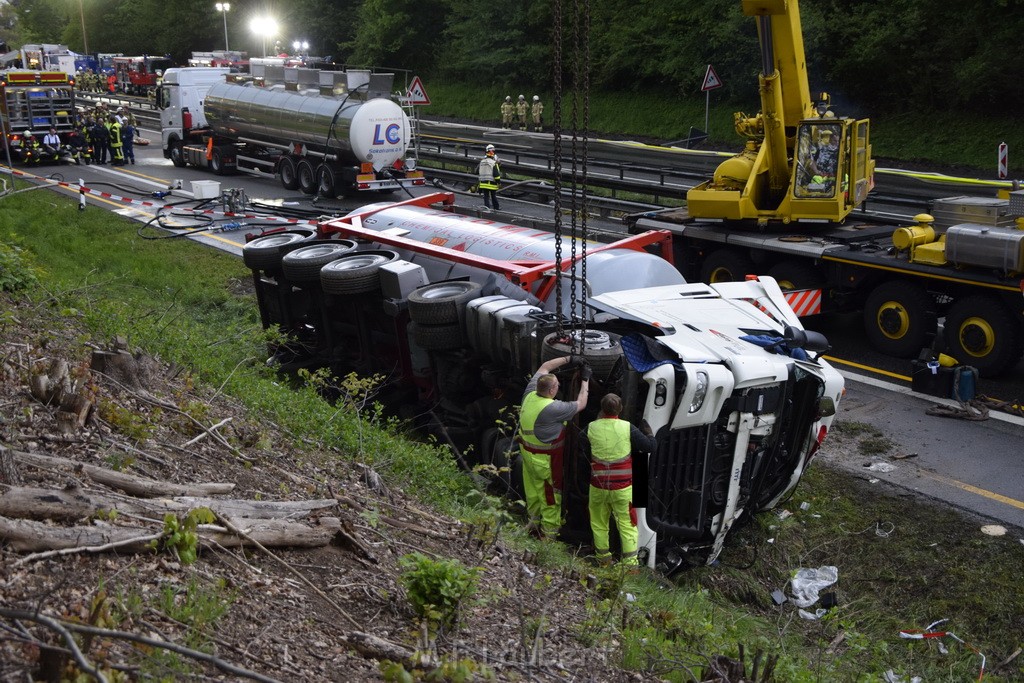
(971, 465)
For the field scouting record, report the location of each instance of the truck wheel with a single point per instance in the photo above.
(439, 337)
(898, 317)
(307, 177)
(440, 303)
(355, 273)
(216, 162)
(795, 275)
(327, 181)
(601, 349)
(289, 176)
(304, 264)
(178, 154)
(725, 265)
(982, 332)
(264, 253)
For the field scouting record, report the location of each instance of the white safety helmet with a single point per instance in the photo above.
(536, 98)
(508, 98)
(489, 148)
(522, 97)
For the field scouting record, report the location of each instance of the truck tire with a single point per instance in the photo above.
(726, 265)
(355, 273)
(793, 275)
(307, 177)
(600, 349)
(439, 337)
(441, 303)
(327, 181)
(982, 332)
(289, 176)
(216, 162)
(264, 253)
(178, 154)
(304, 264)
(899, 316)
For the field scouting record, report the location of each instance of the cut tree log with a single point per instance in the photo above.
(25, 535)
(131, 484)
(73, 504)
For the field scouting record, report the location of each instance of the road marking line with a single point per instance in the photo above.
(999, 498)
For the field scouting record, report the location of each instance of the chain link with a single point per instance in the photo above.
(556, 131)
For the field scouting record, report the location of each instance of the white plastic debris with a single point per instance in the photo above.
(806, 584)
(993, 530)
(812, 616)
(805, 505)
(881, 467)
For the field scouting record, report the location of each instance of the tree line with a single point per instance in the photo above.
(898, 56)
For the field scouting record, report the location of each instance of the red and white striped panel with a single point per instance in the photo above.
(804, 301)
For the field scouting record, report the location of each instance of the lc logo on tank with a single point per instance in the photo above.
(391, 134)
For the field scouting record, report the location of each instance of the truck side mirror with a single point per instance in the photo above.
(814, 342)
(160, 98)
(826, 407)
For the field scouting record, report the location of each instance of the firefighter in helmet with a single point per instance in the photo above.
(508, 110)
(537, 110)
(522, 111)
(489, 178)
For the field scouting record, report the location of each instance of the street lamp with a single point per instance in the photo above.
(263, 27)
(85, 41)
(223, 8)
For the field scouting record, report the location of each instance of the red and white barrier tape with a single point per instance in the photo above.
(83, 190)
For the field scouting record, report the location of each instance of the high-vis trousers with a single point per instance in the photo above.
(618, 504)
(543, 500)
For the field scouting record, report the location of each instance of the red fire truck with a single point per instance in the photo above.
(139, 75)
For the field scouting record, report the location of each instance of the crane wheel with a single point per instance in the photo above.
(899, 317)
(982, 332)
(726, 265)
(793, 275)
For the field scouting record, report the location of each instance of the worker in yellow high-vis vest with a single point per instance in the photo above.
(612, 444)
(541, 440)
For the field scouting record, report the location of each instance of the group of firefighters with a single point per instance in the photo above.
(90, 81)
(521, 111)
(99, 134)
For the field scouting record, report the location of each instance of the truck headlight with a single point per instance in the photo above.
(701, 392)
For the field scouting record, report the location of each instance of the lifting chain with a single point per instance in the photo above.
(556, 131)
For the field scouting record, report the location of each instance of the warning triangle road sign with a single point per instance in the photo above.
(417, 94)
(711, 80)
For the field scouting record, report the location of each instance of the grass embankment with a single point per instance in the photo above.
(942, 139)
(902, 564)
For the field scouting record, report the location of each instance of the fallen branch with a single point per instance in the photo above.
(72, 504)
(25, 535)
(207, 432)
(136, 486)
(88, 549)
(66, 627)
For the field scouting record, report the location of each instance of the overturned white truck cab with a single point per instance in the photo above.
(459, 311)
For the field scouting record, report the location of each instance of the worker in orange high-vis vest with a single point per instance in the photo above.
(612, 444)
(541, 440)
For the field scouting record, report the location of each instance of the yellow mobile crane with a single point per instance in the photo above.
(777, 177)
(780, 207)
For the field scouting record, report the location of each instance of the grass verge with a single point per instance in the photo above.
(903, 563)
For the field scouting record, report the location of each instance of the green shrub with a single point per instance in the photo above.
(436, 588)
(17, 271)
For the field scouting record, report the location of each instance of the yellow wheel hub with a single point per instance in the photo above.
(893, 320)
(977, 337)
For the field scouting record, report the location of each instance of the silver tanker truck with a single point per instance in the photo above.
(321, 132)
(457, 311)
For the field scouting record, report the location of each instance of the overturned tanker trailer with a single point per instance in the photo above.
(460, 311)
